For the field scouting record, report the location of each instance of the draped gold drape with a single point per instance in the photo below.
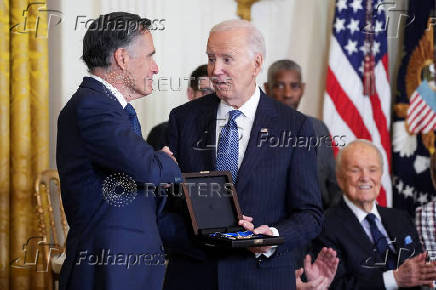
(24, 127)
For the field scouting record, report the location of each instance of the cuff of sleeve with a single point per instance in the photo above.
(389, 280)
(170, 171)
(271, 251)
(274, 231)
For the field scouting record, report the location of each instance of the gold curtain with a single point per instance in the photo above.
(24, 127)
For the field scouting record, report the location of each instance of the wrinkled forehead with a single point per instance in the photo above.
(360, 155)
(232, 40)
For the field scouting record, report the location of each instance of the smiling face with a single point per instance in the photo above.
(141, 65)
(231, 65)
(359, 175)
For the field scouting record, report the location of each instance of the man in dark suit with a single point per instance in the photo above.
(276, 185)
(285, 85)
(199, 86)
(103, 163)
(377, 247)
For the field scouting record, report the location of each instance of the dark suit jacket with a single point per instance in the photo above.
(343, 232)
(330, 191)
(95, 140)
(277, 186)
(158, 136)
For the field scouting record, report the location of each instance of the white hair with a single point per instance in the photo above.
(354, 142)
(255, 38)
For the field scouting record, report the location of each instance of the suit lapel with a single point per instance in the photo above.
(204, 140)
(394, 233)
(354, 228)
(265, 115)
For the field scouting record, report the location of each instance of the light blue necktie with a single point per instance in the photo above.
(134, 122)
(228, 146)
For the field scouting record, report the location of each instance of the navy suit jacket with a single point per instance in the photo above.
(330, 192)
(94, 141)
(343, 232)
(277, 186)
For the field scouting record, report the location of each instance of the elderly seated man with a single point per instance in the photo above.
(377, 247)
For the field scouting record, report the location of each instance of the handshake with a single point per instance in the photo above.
(167, 150)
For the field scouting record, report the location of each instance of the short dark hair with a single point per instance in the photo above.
(283, 64)
(199, 72)
(108, 33)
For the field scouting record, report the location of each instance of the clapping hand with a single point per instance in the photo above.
(321, 273)
(325, 265)
(317, 284)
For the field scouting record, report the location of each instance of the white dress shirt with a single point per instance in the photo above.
(388, 276)
(244, 121)
(245, 124)
(112, 89)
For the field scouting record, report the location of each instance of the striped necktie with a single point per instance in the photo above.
(228, 146)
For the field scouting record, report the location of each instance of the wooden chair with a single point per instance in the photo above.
(52, 224)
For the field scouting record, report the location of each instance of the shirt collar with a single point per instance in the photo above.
(112, 89)
(248, 109)
(360, 213)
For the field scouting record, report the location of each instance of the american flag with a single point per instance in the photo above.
(421, 115)
(357, 100)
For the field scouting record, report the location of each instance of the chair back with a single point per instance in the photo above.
(52, 221)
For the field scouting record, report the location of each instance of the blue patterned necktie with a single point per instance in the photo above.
(228, 146)
(380, 240)
(134, 122)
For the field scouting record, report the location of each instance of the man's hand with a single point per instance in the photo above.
(167, 150)
(318, 284)
(325, 266)
(416, 272)
(246, 222)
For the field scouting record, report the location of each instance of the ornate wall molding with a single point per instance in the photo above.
(244, 8)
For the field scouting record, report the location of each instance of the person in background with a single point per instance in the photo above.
(199, 86)
(285, 85)
(378, 247)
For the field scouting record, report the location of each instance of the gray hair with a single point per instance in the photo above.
(255, 38)
(283, 64)
(358, 141)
